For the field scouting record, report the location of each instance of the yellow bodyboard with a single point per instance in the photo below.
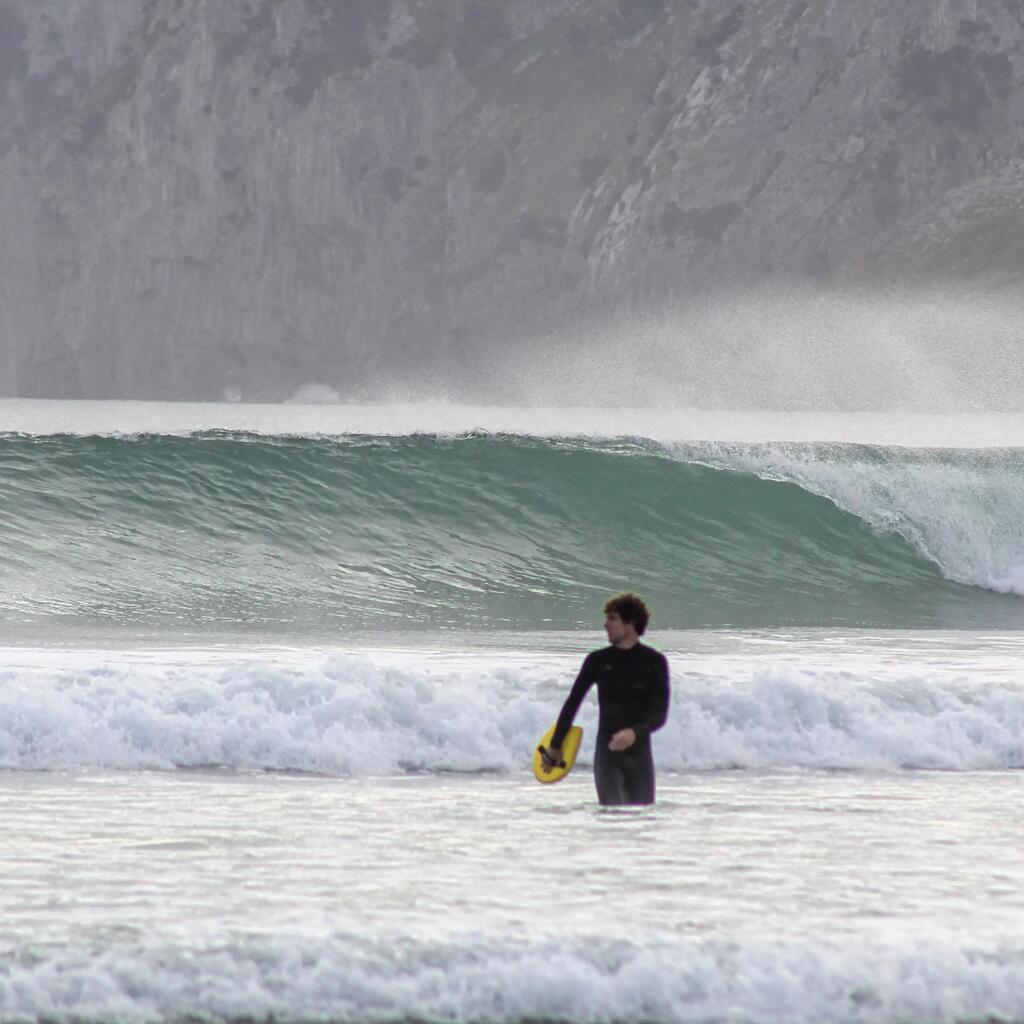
(570, 748)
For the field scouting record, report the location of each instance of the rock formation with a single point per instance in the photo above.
(201, 198)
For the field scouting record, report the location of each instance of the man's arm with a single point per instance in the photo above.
(658, 710)
(583, 682)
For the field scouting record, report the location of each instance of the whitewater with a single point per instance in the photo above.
(270, 679)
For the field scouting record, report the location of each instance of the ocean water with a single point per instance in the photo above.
(270, 679)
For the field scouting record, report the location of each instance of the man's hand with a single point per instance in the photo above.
(622, 740)
(551, 757)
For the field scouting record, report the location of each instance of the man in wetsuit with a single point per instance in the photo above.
(632, 696)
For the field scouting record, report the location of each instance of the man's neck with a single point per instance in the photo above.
(625, 645)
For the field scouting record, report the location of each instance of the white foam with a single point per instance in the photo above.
(342, 716)
(348, 714)
(586, 978)
(820, 719)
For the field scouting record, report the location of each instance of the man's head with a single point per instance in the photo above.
(625, 618)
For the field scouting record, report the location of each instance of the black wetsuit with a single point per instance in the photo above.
(632, 692)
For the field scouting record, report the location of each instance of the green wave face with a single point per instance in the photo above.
(320, 536)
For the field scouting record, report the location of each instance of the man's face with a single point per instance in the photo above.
(614, 627)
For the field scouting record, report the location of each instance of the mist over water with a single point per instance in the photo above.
(940, 349)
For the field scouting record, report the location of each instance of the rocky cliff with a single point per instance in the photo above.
(202, 198)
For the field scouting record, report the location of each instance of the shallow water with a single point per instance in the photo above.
(101, 857)
(362, 890)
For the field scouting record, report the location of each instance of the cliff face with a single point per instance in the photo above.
(209, 197)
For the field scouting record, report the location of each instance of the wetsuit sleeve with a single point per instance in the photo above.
(658, 711)
(584, 681)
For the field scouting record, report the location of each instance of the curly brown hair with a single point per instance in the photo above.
(630, 608)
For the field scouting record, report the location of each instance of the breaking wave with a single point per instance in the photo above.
(347, 715)
(226, 531)
(594, 980)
